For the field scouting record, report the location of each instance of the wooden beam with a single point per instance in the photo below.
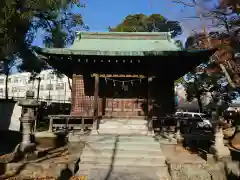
(118, 76)
(95, 102)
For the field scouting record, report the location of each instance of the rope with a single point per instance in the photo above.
(123, 81)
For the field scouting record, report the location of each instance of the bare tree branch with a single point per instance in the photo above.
(192, 4)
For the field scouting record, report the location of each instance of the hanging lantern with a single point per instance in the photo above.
(114, 84)
(132, 83)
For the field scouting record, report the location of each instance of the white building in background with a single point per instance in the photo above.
(51, 88)
(181, 93)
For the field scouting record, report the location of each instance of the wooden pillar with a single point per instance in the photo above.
(149, 107)
(95, 103)
(163, 94)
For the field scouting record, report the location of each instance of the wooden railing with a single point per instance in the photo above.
(65, 122)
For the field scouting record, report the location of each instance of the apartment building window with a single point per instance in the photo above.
(14, 89)
(49, 87)
(49, 97)
(2, 81)
(41, 87)
(1, 90)
(50, 76)
(15, 80)
(22, 89)
(59, 86)
(23, 80)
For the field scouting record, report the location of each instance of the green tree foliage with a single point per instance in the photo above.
(201, 83)
(181, 80)
(20, 20)
(152, 23)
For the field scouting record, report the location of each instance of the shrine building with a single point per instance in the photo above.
(123, 75)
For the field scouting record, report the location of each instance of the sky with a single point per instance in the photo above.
(100, 14)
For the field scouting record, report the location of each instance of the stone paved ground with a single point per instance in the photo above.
(182, 165)
(185, 165)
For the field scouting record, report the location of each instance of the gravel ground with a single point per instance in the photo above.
(49, 166)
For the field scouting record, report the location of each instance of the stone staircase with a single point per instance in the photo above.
(123, 157)
(122, 126)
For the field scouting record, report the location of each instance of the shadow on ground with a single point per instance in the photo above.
(9, 140)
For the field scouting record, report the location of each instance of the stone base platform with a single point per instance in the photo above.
(123, 126)
(124, 173)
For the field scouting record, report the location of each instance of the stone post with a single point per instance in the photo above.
(150, 126)
(50, 127)
(27, 119)
(218, 149)
(178, 135)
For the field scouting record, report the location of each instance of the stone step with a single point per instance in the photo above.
(145, 141)
(124, 121)
(103, 172)
(116, 131)
(123, 146)
(121, 161)
(122, 137)
(123, 153)
(124, 126)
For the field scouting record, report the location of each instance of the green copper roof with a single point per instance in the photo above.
(118, 43)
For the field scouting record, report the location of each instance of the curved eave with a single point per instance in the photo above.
(182, 61)
(67, 51)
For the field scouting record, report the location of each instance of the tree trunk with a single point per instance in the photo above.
(229, 79)
(69, 84)
(198, 96)
(200, 103)
(6, 86)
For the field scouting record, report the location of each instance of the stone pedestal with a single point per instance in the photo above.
(178, 134)
(219, 149)
(150, 126)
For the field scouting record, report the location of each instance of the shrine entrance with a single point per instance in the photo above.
(123, 95)
(125, 74)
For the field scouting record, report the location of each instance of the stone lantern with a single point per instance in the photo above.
(28, 117)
